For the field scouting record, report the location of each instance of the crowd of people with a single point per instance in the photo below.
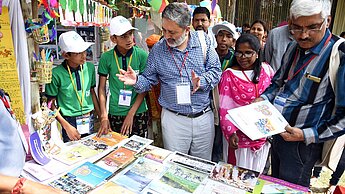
(192, 75)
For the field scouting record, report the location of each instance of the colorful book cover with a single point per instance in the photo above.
(75, 154)
(204, 166)
(36, 149)
(71, 184)
(178, 179)
(140, 174)
(137, 143)
(258, 120)
(111, 187)
(117, 159)
(155, 153)
(235, 176)
(277, 186)
(91, 174)
(110, 139)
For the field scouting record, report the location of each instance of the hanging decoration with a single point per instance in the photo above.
(50, 6)
(84, 13)
(158, 5)
(39, 28)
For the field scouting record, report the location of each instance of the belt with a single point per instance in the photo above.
(192, 115)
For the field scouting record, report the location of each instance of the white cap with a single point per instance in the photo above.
(120, 25)
(71, 41)
(229, 27)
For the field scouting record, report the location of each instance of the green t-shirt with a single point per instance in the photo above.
(107, 66)
(62, 88)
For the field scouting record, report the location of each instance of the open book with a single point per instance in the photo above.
(258, 120)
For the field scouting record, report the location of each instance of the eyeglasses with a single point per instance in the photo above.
(246, 54)
(314, 28)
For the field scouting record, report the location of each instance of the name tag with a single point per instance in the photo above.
(183, 93)
(280, 101)
(83, 124)
(125, 97)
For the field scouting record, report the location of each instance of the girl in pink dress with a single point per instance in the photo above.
(240, 84)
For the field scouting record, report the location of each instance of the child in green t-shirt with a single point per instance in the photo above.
(72, 88)
(127, 109)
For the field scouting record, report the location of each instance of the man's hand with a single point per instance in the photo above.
(195, 81)
(105, 127)
(127, 125)
(292, 134)
(127, 77)
(233, 141)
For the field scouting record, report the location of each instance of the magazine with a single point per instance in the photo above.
(140, 174)
(155, 153)
(110, 139)
(258, 120)
(235, 176)
(116, 159)
(75, 154)
(194, 163)
(273, 185)
(44, 172)
(111, 187)
(137, 143)
(178, 179)
(91, 174)
(36, 149)
(95, 145)
(71, 184)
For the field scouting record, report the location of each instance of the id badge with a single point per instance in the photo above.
(183, 93)
(83, 124)
(279, 102)
(125, 97)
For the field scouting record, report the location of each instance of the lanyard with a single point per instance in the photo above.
(7, 105)
(183, 62)
(255, 85)
(75, 88)
(294, 63)
(117, 61)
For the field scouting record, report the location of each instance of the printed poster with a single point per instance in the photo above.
(8, 68)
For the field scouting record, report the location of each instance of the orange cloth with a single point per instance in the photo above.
(153, 39)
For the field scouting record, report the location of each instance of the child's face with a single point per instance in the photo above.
(224, 39)
(245, 56)
(75, 58)
(125, 41)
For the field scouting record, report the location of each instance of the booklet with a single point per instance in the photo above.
(116, 159)
(137, 143)
(44, 172)
(178, 179)
(277, 186)
(110, 139)
(155, 153)
(36, 149)
(91, 174)
(111, 187)
(235, 176)
(194, 163)
(258, 120)
(75, 154)
(140, 174)
(215, 187)
(71, 184)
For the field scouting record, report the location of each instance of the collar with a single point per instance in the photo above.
(317, 48)
(230, 53)
(64, 64)
(128, 54)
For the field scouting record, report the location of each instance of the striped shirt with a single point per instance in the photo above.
(162, 67)
(309, 104)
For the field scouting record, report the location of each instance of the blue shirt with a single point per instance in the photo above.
(309, 104)
(162, 67)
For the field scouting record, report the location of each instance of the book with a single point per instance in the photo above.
(110, 139)
(194, 163)
(91, 174)
(44, 172)
(212, 186)
(116, 159)
(277, 186)
(178, 179)
(71, 184)
(95, 145)
(111, 187)
(235, 176)
(258, 120)
(137, 176)
(137, 143)
(75, 154)
(155, 153)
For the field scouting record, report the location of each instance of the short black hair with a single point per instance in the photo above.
(202, 10)
(342, 34)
